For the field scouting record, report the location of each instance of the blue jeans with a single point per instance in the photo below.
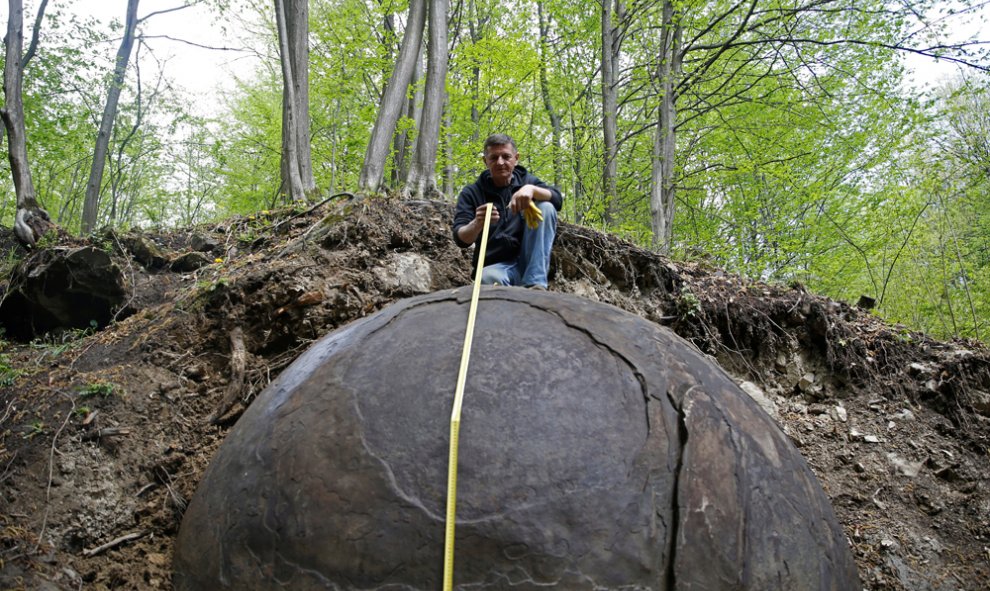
(533, 262)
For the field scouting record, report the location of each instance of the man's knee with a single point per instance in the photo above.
(547, 209)
(494, 275)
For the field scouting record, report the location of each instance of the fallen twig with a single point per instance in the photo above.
(7, 411)
(314, 208)
(113, 543)
(51, 472)
(6, 469)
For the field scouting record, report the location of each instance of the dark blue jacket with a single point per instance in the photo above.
(505, 237)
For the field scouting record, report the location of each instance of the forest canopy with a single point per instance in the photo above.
(779, 140)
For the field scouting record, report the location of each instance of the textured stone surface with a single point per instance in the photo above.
(405, 272)
(597, 451)
(190, 261)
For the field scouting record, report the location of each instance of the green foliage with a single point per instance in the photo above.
(10, 262)
(251, 144)
(208, 286)
(56, 343)
(8, 373)
(97, 390)
(252, 227)
(34, 429)
(59, 89)
(688, 304)
(945, 288)
(65, 88)
(799, 154)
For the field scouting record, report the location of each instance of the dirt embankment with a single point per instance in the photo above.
(105, 433)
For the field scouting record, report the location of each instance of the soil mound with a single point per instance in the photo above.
(105, 434)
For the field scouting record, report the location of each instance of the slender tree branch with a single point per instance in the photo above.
(893, 263)
(930, 51)
(199, 45)
(35, 33)
(168, 10)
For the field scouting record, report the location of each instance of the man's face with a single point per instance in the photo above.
(500, 161)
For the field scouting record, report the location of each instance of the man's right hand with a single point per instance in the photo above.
(470, 231)
(479, 216)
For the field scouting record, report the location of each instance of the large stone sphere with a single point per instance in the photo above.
(597, 451)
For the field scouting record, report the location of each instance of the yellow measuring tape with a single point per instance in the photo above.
(455, 416)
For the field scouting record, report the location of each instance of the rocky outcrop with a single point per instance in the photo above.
(61, 289)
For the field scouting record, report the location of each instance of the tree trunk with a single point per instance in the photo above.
(449, 169)
(477, 23)
(403, 141)
(662, 187)
(422, 174)
(610, 109)
(292, 21)
(297, 26)
(389, 35)
(373, 170)
(30, 220)
(119, 163)
(555, 124)
(577, 199)
(92, 201)
(292, 186)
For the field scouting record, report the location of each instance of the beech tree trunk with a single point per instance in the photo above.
(30, 220)
(404, 140)
(662, 187)
(92, 201)
(422, 174)
(393, 101)
(555, 124)
(611, 44)
(477, 24)
(292, 21)
(577, 165)
(449, 168)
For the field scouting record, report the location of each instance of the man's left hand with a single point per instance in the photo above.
(522, 198)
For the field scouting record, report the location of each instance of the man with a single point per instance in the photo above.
(518, 253)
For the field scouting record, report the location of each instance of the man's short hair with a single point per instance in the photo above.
(498, 139)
